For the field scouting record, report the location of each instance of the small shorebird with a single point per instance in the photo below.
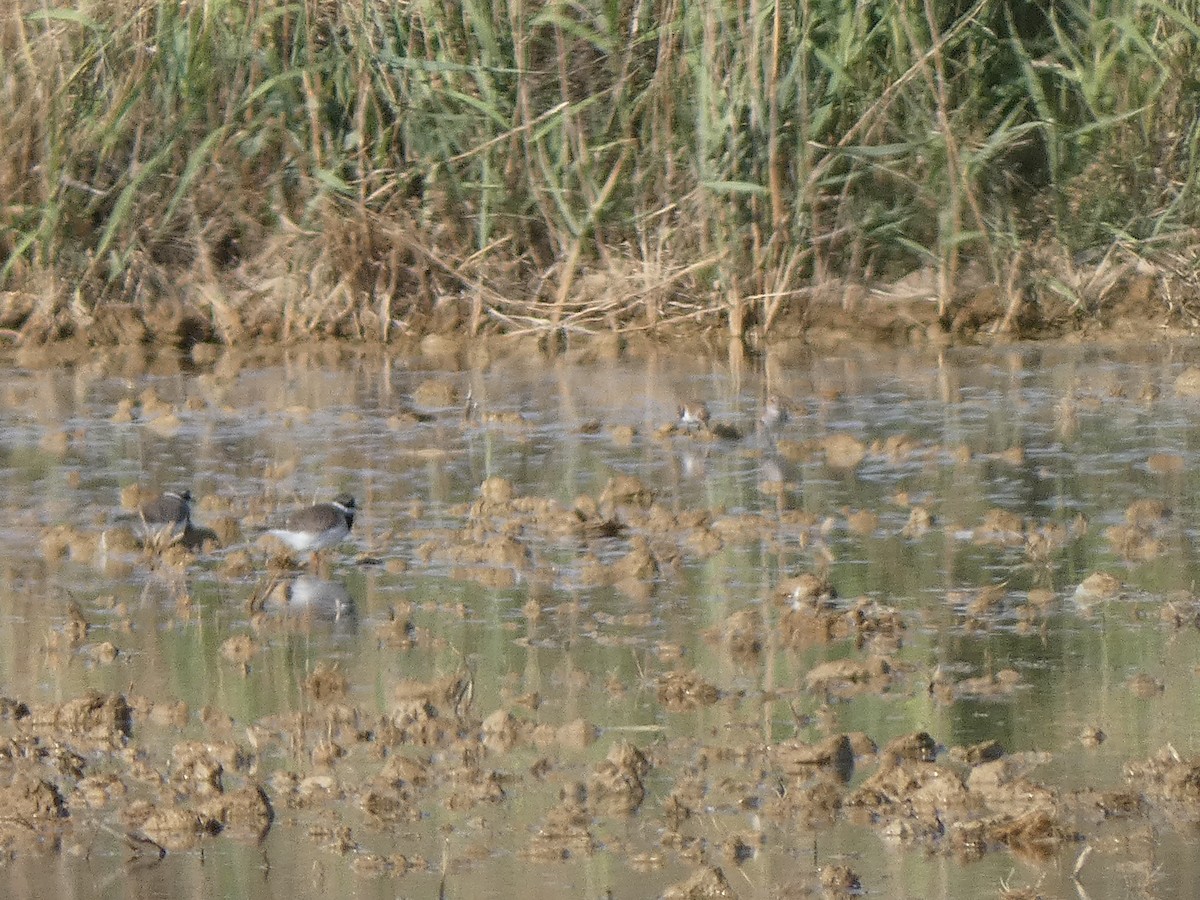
(317, 527)
(693, 412)
(775, 412)
(163, 520)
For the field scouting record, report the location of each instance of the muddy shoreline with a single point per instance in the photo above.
(1126, 304)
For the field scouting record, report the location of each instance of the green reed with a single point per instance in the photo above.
(402, 162)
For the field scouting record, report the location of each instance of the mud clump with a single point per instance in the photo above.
(32, 798)
(1170, 781)
(918, 746)
(848, 677)
(839, 881)
(429, 713)
(566, 830)
(622, 490)
(97, 719)
(914, 798)
(393, 795)
(501, 732)
(245, 812)
(823, 623)
(327, 683)
(171, 827)
(35, 811)
(708, 883)
(679, 691)
(389, 804)
(615, 786)
(195, 770)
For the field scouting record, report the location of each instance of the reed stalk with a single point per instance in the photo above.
(374, 168)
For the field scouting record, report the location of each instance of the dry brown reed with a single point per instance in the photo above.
(274, 170)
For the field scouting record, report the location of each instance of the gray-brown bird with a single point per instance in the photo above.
(163, 520)
(317, 527)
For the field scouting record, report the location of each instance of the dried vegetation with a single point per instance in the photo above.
(220, 171)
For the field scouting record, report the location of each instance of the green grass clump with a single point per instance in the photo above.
(367, 168)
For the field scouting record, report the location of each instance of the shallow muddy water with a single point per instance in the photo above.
(934, 635)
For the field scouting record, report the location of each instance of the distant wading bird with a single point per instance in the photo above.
(693, 412)
(775, 412)
(317, 527)
(163, 520)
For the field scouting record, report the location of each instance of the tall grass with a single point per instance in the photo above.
(371, 167)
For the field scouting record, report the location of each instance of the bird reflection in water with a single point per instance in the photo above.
(310, 597)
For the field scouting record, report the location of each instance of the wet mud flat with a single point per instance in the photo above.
(913, 621)
(104, 775)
